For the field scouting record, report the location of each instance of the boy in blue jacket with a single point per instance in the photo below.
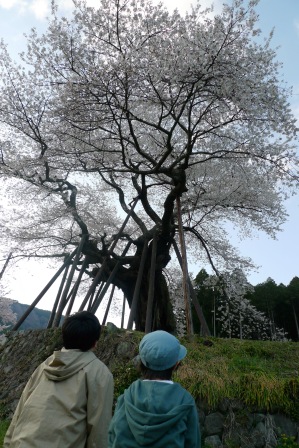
(155, 412)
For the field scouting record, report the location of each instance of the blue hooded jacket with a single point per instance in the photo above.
(155, 414)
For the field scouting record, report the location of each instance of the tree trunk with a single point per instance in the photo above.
(126, 279)
(296, 320)
(163, 316)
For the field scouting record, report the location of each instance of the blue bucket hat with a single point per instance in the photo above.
(160, 350)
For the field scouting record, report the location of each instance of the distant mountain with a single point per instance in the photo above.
(37, 318)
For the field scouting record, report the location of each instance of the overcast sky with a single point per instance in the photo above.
(276, 259)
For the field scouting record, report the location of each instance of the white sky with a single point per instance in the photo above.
(277, 259)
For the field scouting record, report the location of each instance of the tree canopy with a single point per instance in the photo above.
(129, 100)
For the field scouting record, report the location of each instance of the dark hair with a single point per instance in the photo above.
(81, 331)
(149, 374)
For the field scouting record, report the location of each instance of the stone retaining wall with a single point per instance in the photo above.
(236, 427)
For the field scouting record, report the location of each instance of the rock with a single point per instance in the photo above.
(7, 369)
(224, 405)
(201, 416)
(213, 442)
(214, 423)
(136, 361)
(258, 435)
(284, 425)
(111, 328)
(3, 339)
(125, 350)
(230, 404)
(236, 405)
(258, 418)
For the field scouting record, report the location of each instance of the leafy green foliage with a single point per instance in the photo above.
(280, 303)
(123, 375)
(287, 442)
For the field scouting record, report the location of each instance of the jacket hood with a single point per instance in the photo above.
(64, 364)
(150, 412)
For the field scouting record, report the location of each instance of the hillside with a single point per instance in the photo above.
(37, 319)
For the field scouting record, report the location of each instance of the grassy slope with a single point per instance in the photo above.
(263, 374)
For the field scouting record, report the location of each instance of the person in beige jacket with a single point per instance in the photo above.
(67, 402)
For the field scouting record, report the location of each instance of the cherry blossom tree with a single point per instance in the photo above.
(130, 101)
(176, 293)
(234, 313)
(237, 316)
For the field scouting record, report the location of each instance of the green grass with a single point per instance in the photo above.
(262, 374)
(287, 442)
(3, 428)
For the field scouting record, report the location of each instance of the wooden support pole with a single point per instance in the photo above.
(189, 323)
(5, 264)
(95, 296)
(137, 287)
(93, 286)
(90, 300)
(108, 305)
(203, 323)
(43, 292)
(101, 269)
(54, 309)
(101, 294)
(63, 299)
(204, 328)
(76, 286)
(151, 292)
(123, 312)
(110, 280)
